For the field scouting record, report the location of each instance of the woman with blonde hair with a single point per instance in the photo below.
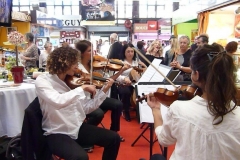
(173, 50)
(155, 50)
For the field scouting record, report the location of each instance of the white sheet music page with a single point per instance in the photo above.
(157, 77)
(145, 111)
(150, 71)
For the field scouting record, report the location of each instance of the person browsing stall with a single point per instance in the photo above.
(43, 56)
(206, 127)
(30, 56)
(112, 104)
(64, 110)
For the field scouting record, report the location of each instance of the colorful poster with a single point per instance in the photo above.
(237, 26)
(97, 10)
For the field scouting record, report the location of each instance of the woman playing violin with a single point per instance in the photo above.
(205, 127)
(129, 57)
(64, 110)
(114, 105)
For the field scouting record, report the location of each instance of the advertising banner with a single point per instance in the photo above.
(97, 10)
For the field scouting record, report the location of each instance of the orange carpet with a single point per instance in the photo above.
(130, 131)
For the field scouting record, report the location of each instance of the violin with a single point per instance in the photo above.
(80, 78)
(167, 97)
(100, 62)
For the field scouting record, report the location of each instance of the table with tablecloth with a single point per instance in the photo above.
(13, 101)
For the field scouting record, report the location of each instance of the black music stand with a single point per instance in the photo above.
(150, 124)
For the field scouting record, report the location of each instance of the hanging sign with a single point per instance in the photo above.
(75, 34)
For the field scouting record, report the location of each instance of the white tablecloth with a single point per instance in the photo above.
(13, 102)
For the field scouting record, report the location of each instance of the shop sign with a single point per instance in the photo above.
(73, 22)
(237, 26)
(75, 34)
(152, 25)
(142, 28)
(21, 16)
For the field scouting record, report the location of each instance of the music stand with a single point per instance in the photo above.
(145, 112)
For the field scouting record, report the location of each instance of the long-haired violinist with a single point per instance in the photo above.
(114, 105)
(205, 127)
(129, 57)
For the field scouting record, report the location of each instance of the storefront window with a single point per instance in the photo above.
(25, 9)
(75, 2)
(59, 2)
(143, 2)
(143, 11)
(15, 2)
(67, 10)
(22, 3)
(121, 11)
(50, 10)
(50, 3)
(58, 10)
(151, 12)
(75, 10)
(15, 9)
(128, 12)
(67, 2)
(152, 2)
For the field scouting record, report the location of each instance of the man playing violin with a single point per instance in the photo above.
(64, 110)
(205, 127)
(112, 104)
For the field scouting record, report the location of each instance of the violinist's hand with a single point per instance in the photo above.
(142, 64)
(89, 88)
(125, 67)
(152, 102)
(127, 81)
(108, 85)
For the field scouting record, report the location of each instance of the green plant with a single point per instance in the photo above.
(11, 61)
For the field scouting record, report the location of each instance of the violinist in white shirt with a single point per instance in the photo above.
(206, 127)
(64, 110)
(125, 92)
(114, 105)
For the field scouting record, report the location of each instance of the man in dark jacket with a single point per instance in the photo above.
(115, 48)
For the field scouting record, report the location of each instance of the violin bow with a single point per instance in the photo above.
(139, 53)
(91, 68)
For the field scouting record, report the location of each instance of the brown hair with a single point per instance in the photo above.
(216, 75)
(231, 47)
(61, 59)
(82, 45)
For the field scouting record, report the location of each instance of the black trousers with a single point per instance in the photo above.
(115, 106)
(125, 95)
(70, 149)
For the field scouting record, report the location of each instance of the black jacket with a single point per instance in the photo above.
(115, 51)
(33, 142)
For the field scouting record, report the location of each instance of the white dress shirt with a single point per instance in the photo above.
(43, 59)
(190, 126)
(127, 72)
(63, 109)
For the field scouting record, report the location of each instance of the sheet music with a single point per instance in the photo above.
(145, 111)
(157, 77)
(151, 75)
(150, 71)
